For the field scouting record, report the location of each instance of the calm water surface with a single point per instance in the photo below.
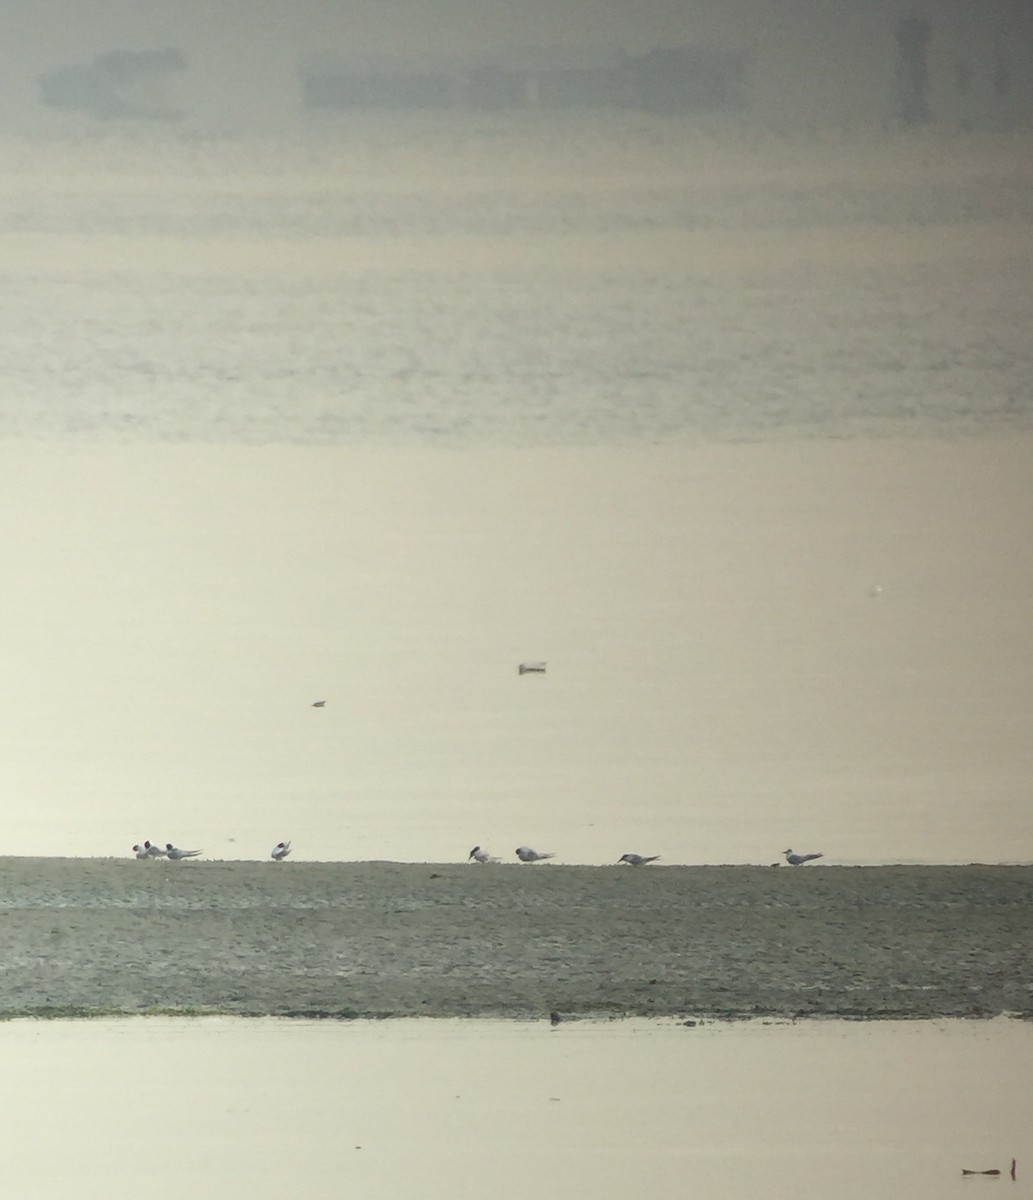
(821, 646)
(216, 1108)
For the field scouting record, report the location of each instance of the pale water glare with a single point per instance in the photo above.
(816, 645)
(448, 1110)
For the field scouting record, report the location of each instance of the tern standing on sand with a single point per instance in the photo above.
(794, 860)
(526, 854)
(637, 860)
(478, 854)
(280, 851)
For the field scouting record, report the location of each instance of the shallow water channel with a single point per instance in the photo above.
(221, 1107)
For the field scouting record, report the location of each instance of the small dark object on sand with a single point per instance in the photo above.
(992, 1171)
(554, 1018)
(531, 668)
(319, 704)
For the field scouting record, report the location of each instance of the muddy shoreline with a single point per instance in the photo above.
(94, 936)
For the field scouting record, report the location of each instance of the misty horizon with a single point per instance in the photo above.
(808, 64)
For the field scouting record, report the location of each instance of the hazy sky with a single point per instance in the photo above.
(814, 60)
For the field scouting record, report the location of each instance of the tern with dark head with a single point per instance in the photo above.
(175, 853)
(526, 854)
(794, 860)
(637, 860)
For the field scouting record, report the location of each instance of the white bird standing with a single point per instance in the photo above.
(526, 854)
(480, 855)
(637, 860)
(141, 852)
(154, 851)
(794, 860)
(174, 852)
(280, 851)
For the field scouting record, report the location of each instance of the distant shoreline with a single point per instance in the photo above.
(101, 937)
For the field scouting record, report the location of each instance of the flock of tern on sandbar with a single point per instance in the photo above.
(527, 855)
(149, 850)
(478, 854)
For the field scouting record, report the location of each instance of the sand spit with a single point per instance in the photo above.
(385, 939)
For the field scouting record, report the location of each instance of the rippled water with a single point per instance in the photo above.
(559, 282)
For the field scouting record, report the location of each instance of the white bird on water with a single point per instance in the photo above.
(141, 852)
(175, 853)
(794, 860)
(280, 851)
(154, 851)
(637, 860)
(526, 854)
(478, 854)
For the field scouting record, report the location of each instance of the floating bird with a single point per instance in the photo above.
(154, 851)
(481, 856)
(175, 853)
(319, 704)
(531, 668)
(280, 851)
(526, 854)
(794, 860)
(141, 852)
(637, 860)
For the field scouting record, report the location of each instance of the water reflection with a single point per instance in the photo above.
(221, 1107)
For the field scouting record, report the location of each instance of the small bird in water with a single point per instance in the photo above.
(141, 852)
(531, 668)
(794, 860)
(175, 853)
(526, 854)
(478, 854)
(637, 860)
(154, 851)
(280, 851)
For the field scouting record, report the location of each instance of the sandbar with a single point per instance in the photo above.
(373, 939)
